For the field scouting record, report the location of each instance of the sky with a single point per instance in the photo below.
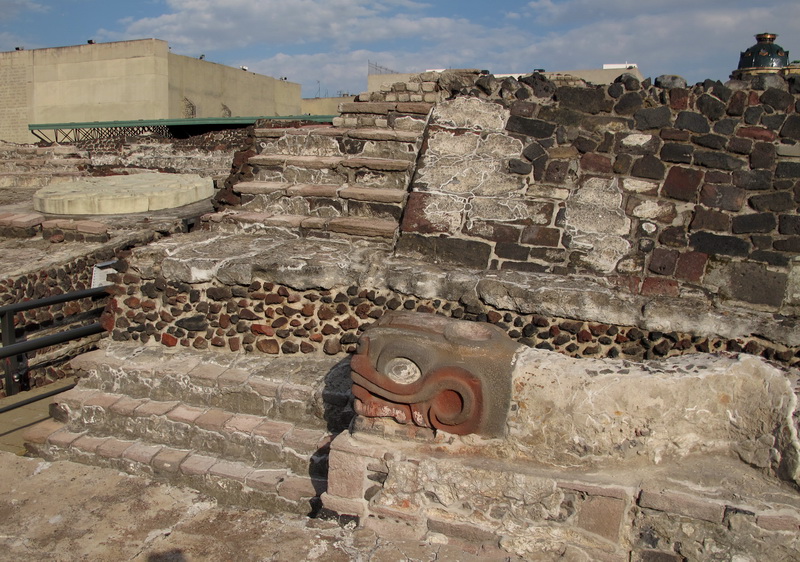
(326, 45)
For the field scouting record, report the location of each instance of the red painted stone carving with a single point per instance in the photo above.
(432, 371)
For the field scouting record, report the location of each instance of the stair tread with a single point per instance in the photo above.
(365, 133)
(345, 191)
(311, 162)
(210, 474)
(72, 405)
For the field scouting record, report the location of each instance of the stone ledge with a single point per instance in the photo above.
(269, 488)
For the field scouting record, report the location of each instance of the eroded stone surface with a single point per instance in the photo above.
(569, 413)
(111, 195)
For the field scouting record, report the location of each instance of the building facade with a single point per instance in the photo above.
(125, 81)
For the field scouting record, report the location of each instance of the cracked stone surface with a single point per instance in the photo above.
(68, 511)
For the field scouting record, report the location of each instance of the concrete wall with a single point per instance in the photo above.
(106, 82)
(323, 106)
(128, 80)
(16, 93)
(216, 90)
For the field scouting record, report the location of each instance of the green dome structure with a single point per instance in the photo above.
(763, 57)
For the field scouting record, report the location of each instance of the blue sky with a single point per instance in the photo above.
(325, 44)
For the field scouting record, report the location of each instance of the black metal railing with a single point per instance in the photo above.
(12, 354)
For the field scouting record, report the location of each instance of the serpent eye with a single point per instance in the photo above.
(402, 370)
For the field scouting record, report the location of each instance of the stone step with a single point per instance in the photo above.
(330, 162)
(385, 108)
(386, 173)
(256, 440)
(230, 482)
(375, 194)
(37, 178)
(341, 142)
(373, 134)
(366, 227)
(313, 391)
(41, 163)
(320, 200)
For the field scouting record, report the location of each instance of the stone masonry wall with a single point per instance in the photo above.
(74, 274)
(659, 191)
(276, 319)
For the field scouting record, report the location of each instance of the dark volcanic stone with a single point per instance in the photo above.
(777, 99)
(535, 128)
(653, 118)
(677, 152)
(717, 160)
(791, 127)
(757, 222)
(716, 244)
(649, 167)
(587, 100)
(692, 121)
(711, 107)
(193, 324)
(628, 103)
(468, 253)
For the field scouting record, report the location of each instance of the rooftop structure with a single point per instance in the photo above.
(765, 57)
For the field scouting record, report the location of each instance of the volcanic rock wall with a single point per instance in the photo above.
(659, 191)
(618, 220)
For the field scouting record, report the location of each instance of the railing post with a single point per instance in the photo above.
(10, 364)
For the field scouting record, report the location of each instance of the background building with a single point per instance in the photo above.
(129, 80)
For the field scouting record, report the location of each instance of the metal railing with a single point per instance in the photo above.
(12, 354)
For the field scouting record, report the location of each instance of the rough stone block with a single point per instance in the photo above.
(88, 444)
(272, 431)
(461, 530)
(602, 516)
(113, 448)
(230, 470)
(155, 408)
(169, 460)
(299, 488)
(213, 420)
(197, 465)
(682, 504)
(184, 414)
(40, 432)
(243, 423)
(62, 438)
(265, 480)
(779, 521)
(347, 475)
(141, 453)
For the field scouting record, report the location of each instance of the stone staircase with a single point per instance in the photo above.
(248, 430)
(350, 178)
(35, 166)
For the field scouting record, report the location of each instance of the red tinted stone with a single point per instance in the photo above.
(262, 329)
(683, 183)
(656, 286)
(691, 266)
(596, 163)
(169, 340)
(758, 133)
(679, 98)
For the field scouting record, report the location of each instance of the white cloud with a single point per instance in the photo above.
(200, 25)
(331, 40)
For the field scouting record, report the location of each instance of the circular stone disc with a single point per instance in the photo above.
(117, 195)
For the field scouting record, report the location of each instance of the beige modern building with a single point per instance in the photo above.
(126, 81)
